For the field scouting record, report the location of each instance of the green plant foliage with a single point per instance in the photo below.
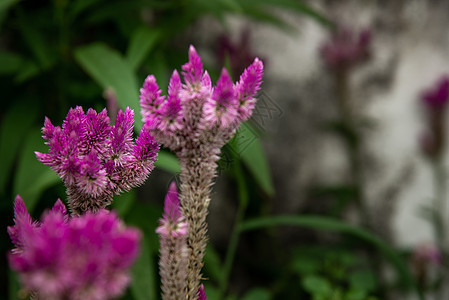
(13, 130)
(110, 70)
(143, 285)
(168, 162)
(257, 294)
(331, 224)
(248, 145)
(142, 42)
(32, 177)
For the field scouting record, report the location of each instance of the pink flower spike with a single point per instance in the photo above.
(48, 129)
(247, 87)
(193, 70)
(172, 223)
(21, 217)
(122, 133)
(202, 293)
(59, 207)
(172, 209)
(222, 107)
(175, 84)
(150, 95)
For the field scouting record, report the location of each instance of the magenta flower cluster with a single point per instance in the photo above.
(346, 48)
(196, 108)
(83, 257)
(96, 160)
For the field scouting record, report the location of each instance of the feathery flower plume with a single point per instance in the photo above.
(96, 160)
(173, 239)
(195, 121)
(83, 257)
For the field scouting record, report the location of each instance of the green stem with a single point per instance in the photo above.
(235, 234)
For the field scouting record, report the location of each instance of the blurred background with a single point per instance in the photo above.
(335, 189)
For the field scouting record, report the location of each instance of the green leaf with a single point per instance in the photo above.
(142, 42)
(13, 129)
(212, 264)
(146, 217)
(32, 177)
(168, 162)
(10, 62)
(252, 154)
(331, 224)
(124, 202)
(257, 294)
(36, 42)
(79, 6)
(28, 70)
(14, 285)
(143, 283)
(110, 70)
(317, 286)
(363, 280)
(212, 293)
(291, 5)
(5, 4)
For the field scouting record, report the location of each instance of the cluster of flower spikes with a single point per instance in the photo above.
(346, 48)
(195, 120)
(96, 160)
(195, 112)
(173, 247)
(82, 257)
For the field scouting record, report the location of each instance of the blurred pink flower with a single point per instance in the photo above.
(346, 48)
(435, 100)
(84, 257)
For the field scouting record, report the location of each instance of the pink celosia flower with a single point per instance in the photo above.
(96, 160)
(84, 257)
(346, 48)
(173, 239)
(195, 121)
(198, 110)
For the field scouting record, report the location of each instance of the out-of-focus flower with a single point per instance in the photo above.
(239, 53)
(83, 257)
(435, 100)
(195, 121)
(437, 97)
(428, 254)
(426, 258)
(111, 103)
(173, 248)
(346, 48)
(96, 160)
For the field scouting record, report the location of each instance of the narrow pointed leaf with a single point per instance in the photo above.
(110, 70)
